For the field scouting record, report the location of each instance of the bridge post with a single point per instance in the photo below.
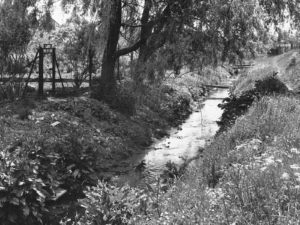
(90, 66)
(53, 69)
(41, 72)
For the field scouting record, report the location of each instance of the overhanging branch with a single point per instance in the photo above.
(126, 51)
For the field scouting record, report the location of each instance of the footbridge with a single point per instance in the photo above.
(217, 86)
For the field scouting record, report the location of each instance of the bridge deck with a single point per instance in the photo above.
(218, 86)
(242, 66)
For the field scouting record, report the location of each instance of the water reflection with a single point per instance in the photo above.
(185, 141)
(182, 144)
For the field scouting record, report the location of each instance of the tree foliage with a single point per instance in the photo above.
(15, 33)
(18, 22)
(183, 32)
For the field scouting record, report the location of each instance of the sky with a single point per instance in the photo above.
(58, 14)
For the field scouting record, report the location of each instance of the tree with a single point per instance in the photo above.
(156, 23)
(18, 23)
(108, 79)
(79, 48)
(15, 32)
(214, 30)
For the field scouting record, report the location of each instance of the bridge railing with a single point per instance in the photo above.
(242, 66)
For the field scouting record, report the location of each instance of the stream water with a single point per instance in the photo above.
(183, 143)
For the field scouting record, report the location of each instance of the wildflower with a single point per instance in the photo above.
(269, 161)
(256, 141)
(238, 148)
(295, 150)
(295, 167)
(298, 176)
(263, 168)
(285, 176)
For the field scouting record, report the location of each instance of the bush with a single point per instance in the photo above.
(121, 98)
(124, 101)
(247, 80)
(22, 198)
(11, 90)
(108, 204)
(235, 106)
(37, 177)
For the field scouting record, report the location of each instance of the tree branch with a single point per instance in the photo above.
(127, 50)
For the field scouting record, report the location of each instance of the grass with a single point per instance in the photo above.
(293, 74)
(258, 171)
(249, 174)
(113, 136)
(247, 81)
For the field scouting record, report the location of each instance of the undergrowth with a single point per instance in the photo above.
(255, 169)
(234, 106)
(250, 174)
(40, 180)
(50, 156)
(257, 161)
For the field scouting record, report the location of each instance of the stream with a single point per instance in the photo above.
(183, 142)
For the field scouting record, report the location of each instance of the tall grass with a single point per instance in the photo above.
(256, 165)
(247, 81)
(249, 174)
(293, 76)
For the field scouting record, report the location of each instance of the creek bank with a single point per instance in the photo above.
(64, 145)
(113, 135)
(148, 125)
(184, 144)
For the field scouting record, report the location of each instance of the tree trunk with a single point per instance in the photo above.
(146, 32)
(153, 37)
(107, 85)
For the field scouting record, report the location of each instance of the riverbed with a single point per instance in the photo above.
(183, 143)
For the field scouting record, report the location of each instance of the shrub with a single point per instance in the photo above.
(22, 198)
(235, 106)
(11, 90)
(121, 98)
(107, 204)
(37, 177)
(124, 101)
(292, 63)
(247, 81)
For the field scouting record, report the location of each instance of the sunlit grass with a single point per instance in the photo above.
(249, 174)
(246, 81)
(257, 164)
